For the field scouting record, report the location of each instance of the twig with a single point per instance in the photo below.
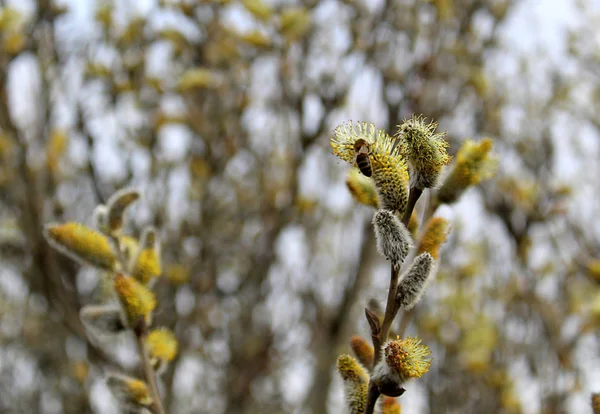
(413, 197)
(149, 374)
(391, 308)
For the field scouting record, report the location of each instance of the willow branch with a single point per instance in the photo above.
(148, 371)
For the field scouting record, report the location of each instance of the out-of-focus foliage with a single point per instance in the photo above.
(220, 112)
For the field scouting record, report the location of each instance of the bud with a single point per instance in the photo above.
(104, 319)
(131, 393)
(137, 300)
(162, 347)
(424, 149)
(116, 206)
(363, 350)
(356, 382)
(403, 359)
(390, 405)
(393, 240)
(81, 244)
(415, 281)
(434, 236)
(473, 164)
(147, 263)
(362, 188)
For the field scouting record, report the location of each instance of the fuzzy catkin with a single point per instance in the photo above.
(393, 239)
(415, 281)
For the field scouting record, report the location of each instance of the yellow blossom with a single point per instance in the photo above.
(362, 188)
(473, 164)
(424, 150)
(161, 345)
(129, 391)
(408, 357)
(147, 264)
(81, 243)
(356, 382)
(137, 300)
(434, 236)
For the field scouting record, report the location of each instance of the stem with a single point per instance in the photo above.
(372, 397)
(390, 312)
(149, 374)
(413, 197)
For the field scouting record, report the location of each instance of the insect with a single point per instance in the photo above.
(362, 150)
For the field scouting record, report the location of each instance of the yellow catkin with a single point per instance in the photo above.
(408, 357)
(434, 236)
(147, 264)
(424, 150)
(356, 382)
(473, 164)
(362, 188)
(137, 300)
(390, 174)
(162, 345)
(82, 243)
(362, 349)
(390, 405)
(130, 392)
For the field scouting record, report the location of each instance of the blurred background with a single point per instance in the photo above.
(220, 113)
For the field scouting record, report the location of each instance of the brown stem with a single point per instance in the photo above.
(413, 197)
(372, 397)
(149, 374)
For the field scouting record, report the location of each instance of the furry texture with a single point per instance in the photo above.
(393, 239)
(415, 281)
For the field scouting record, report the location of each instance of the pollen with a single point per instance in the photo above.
(424, 149)
(147, 264)
(346, 134)
(81, 243)
(473, 164)
(408, 357)
(137, 300)
(362, 188)
(434, 236)
(162, 345)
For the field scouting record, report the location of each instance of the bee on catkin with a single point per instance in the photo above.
(362, 151)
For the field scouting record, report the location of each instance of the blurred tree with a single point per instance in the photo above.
(219, 113)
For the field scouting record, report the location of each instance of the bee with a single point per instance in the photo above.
(362, 150)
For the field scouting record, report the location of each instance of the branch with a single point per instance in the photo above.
(141, 333)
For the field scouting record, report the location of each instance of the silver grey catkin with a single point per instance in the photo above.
(393, 239)
(413, 283)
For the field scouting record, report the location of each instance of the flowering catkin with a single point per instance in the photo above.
(356, 382)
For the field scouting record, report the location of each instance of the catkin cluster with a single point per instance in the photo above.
(390, 174)
(132, 268)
